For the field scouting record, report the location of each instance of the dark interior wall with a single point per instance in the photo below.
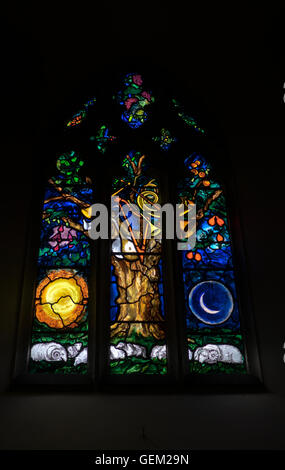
(234, 61)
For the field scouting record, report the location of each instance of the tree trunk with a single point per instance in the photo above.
(138, 299)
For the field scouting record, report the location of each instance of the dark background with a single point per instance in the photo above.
(233, 60)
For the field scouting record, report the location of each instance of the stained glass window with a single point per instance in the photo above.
(215, 342)
(189, 120)
(137, 329)
(162, 308)
(165, 140)
(134, 98)
(60, 325)
(103, 138)
(81, 115)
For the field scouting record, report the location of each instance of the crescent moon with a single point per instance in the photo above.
(208, 310)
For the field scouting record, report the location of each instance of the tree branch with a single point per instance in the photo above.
(201, 212)
(196, 189)
(137, 169)
(66, 197)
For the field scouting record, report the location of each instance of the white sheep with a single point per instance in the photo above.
(213, 353)
(158, 352)
(82, 357)
(50, 352)
(132, 349)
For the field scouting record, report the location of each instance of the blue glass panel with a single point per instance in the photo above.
(63, 239)
(210, 299)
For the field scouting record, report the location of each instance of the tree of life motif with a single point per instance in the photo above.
(135, 256)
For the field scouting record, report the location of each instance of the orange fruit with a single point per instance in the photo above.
(220, 222)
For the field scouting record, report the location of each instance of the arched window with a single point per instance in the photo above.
(137, 328)
(212, 315)
(60, 327)
(132, 306)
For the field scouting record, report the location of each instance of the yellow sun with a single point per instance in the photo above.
(61, 299)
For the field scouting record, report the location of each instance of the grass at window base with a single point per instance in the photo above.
(44, 334)
(221, 336)
(218, 368)
(139, 365)
(57, 368)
